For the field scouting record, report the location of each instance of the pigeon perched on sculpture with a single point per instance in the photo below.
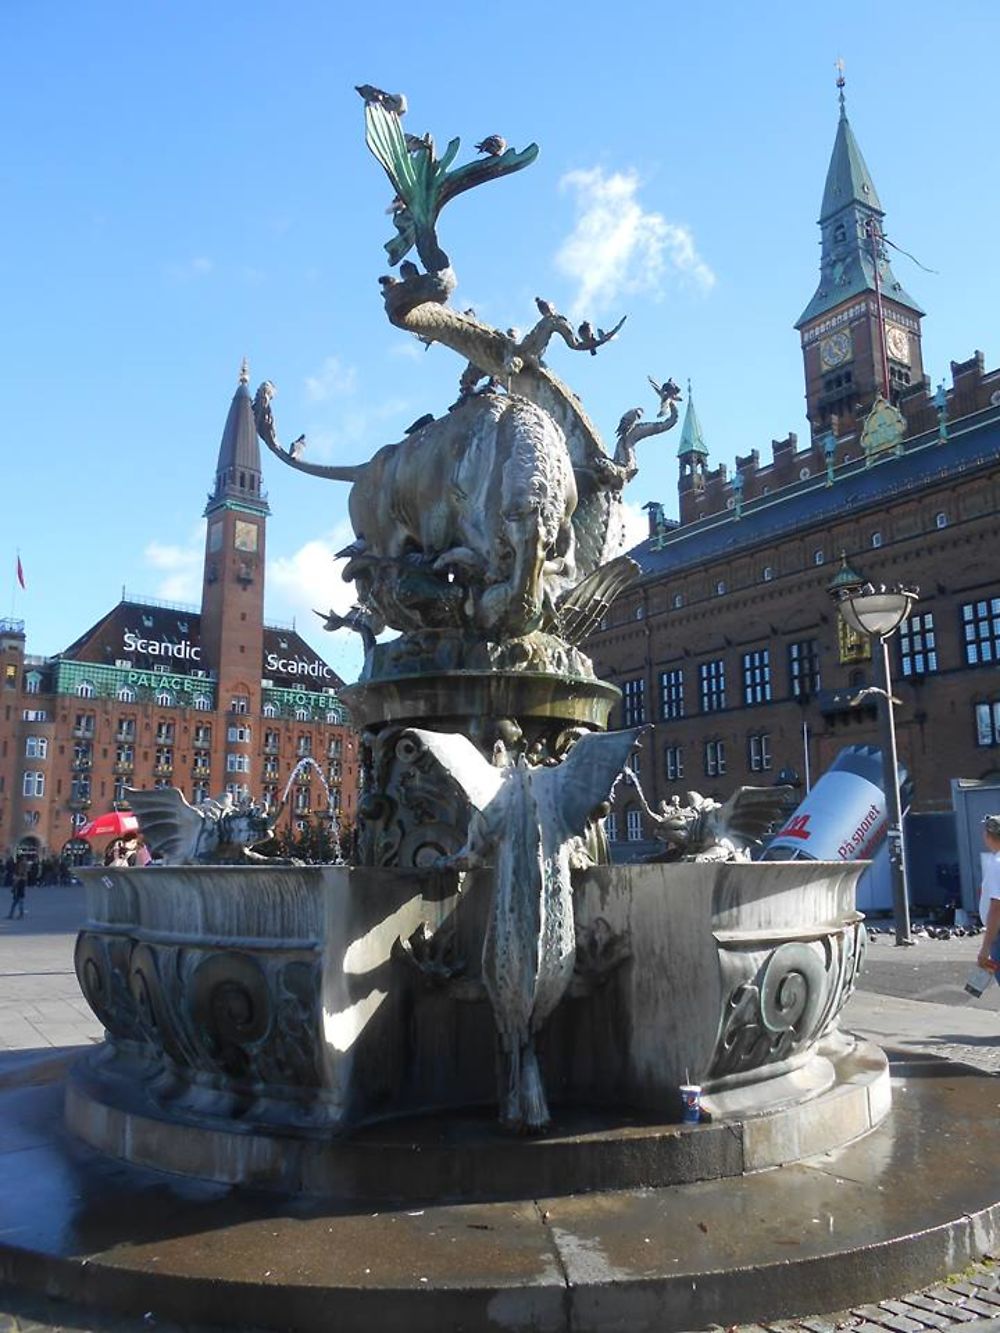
(493, 145)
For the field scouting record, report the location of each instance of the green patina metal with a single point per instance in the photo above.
(424, 184)
(692, 440)
(850, 209)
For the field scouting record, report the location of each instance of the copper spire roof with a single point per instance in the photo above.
(851, 209)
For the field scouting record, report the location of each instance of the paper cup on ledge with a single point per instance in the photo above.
(691, 1103)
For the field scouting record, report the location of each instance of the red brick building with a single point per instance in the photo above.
(730, 644)
(208, 700)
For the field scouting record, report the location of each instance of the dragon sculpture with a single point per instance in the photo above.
(504, 516)
(213, 833)
(529, 823)
(708, 830)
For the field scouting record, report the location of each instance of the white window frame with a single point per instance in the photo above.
(715, 758)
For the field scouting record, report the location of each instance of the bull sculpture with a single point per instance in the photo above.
(465, 522)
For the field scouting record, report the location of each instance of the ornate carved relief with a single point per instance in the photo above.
(777, 1002)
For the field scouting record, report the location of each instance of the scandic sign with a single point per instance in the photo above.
(185, 650)
(296, 666)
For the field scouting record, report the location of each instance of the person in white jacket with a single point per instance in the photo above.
(989, 899)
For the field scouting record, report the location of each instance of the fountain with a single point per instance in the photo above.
(306, 762)
(345, 1038)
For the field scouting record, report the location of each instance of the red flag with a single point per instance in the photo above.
(20, 572)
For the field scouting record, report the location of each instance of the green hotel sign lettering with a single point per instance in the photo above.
(159, 680)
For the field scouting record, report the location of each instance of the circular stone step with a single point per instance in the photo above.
(838, 1096)
(907, 1203)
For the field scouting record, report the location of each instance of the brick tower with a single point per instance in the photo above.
(232, 597)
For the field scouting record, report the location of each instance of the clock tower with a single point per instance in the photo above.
(861, 331)
(232, 598)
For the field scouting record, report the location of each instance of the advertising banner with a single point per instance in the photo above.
(842, 819)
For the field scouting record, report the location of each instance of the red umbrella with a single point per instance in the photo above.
(115, 824)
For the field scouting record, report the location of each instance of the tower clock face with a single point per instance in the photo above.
(898, 343)
(245, 536)
(835, 350)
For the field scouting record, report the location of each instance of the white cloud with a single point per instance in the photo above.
(331, 381)
(636, 524)
(617, 247)
(310, 579)
(408, 350)
(179, 569)
(188, 270)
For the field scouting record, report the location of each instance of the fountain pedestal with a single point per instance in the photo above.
(254, 1020)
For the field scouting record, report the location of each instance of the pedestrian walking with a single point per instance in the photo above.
(989, 899)
(17, 893)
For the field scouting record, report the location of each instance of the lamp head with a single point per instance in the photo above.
(876, 611)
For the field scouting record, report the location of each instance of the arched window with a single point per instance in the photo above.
(767, 574)
(202, 702)
(126, 695)
(876, 540)
(302, 714)
(85, 690)
(819, 557)
(269, 710)
(678, 601)
(164, 698)
(941, 520)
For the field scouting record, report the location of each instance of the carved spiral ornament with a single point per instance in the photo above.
(144, 985)
(93, 972)
(773, 1012)
(408, 749)
(791, 988)
(231, 1009)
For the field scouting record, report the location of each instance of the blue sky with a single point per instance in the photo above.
(186, 183)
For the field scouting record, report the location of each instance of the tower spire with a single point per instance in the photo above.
(860, 332)
(692, 439)
(850, 210)
(237, 472)
(838, 65)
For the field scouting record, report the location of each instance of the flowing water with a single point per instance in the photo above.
(307, 761)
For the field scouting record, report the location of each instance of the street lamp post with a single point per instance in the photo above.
(878, 613)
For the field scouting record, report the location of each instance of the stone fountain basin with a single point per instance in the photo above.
(321, 1003)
